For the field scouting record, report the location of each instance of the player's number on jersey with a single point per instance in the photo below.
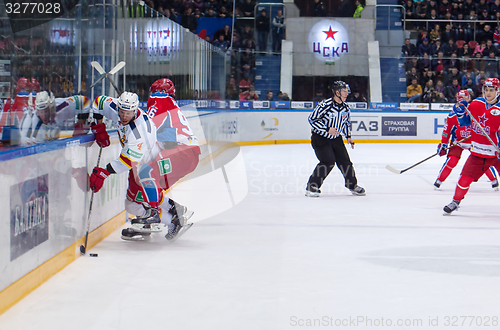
(186, 129)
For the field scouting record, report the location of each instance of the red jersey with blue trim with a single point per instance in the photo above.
(488, 116)
(171, 123)
(452, 131)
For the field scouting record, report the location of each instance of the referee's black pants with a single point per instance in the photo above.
(329, 153)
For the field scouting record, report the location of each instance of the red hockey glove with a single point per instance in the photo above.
(101, 136)
(442, 149)
(97, 178)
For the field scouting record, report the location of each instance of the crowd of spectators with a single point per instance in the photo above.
(451, 55)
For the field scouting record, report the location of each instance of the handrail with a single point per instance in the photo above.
(389, 19)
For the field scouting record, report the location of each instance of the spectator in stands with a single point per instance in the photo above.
(482, 6)
(221, 43)
(460, 28)
(428, 90)
(468, 6)
(414, 91)
(269, 96)
(408, 49)
(447, 34)
(495, 7)
(421, 36)
(188, 20)
(278, 31)
(225, 32)
(489, 48)
(491, 65)
(480, 47)
(451, 90)
(482, 17)
(413, 63)
(496, 36)
(247, 64)
(356, 97)
(318, 97)
(452, 74)
(347, 8)
(465, 50)
(197, 4)
(283, 96)
(197, 14)
(438, 64)
(223, 13)
(319, 9)
(435, 33)
(469, 84)
(429, 75)
(207, 4)
(425, 47)
(411, 13)
(433, 15)
(439, 86)
(479, 87)
(169, 13)
(436, 48)
(262, 26)
(226, 3)
(466, 64)
(247, 8)
(410, 75)
(249, 44)
(453, 62)
(210, 13)
(232, 89)
(444, 7)
(236, 42)
(421, 12)
(252, 96)
(450, 48)
(424, 64)
(358, 10)
(485, 34)
(247, 33)
(432, 6)
(439, 98)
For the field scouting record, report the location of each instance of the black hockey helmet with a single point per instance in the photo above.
(338, 85)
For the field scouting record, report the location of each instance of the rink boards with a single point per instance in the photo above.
(46, 202)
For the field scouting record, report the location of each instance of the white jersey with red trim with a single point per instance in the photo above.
(138, 138)
(171, 123)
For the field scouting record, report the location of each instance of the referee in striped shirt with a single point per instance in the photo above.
(329, 120)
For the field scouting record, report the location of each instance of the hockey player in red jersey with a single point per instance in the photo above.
(180, 154)
(453, 132)
(13, 112)
(486, 111)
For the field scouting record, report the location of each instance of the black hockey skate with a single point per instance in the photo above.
(437, 184)
(454, 205)
(494, 184)
(358, 191)
(312, 191)
(152, 216)
(129, 234)
(180, 216)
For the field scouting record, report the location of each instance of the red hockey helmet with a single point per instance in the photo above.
(163, 85)
(35, 85)
(463, 94)
(492, 83)
(23, 84)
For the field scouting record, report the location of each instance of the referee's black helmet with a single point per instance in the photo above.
(338, 85)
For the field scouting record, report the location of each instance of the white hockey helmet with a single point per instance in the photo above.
(42, 101)
(128, 101)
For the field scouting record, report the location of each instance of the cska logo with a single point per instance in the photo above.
(328, 40)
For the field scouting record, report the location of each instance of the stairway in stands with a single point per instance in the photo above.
(389, 33)
(267, 75)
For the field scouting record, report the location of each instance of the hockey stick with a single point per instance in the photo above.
(83, 248)
(393, 170)
(482, 130)
(105, 74)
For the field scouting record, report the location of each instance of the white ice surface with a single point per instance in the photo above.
(278, 260)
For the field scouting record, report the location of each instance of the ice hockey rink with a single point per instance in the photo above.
(270, 258)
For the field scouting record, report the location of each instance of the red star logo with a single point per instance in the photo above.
(482, 120)
(330, 33)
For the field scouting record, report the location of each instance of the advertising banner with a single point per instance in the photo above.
(302, 105)
(442, 106)
(261, 104)
(383, 106)
(399, 126)
(414, 106)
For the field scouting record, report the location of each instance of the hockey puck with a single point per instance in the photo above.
(93, 255)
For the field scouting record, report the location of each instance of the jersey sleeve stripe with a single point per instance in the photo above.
(127, 161)
(135, 130)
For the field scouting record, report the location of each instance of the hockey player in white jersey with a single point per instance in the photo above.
(137, 134)
(44, 124)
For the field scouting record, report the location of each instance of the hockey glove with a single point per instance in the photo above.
(101, 136)
(97, 178)
(459, 108)
(442, 149)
